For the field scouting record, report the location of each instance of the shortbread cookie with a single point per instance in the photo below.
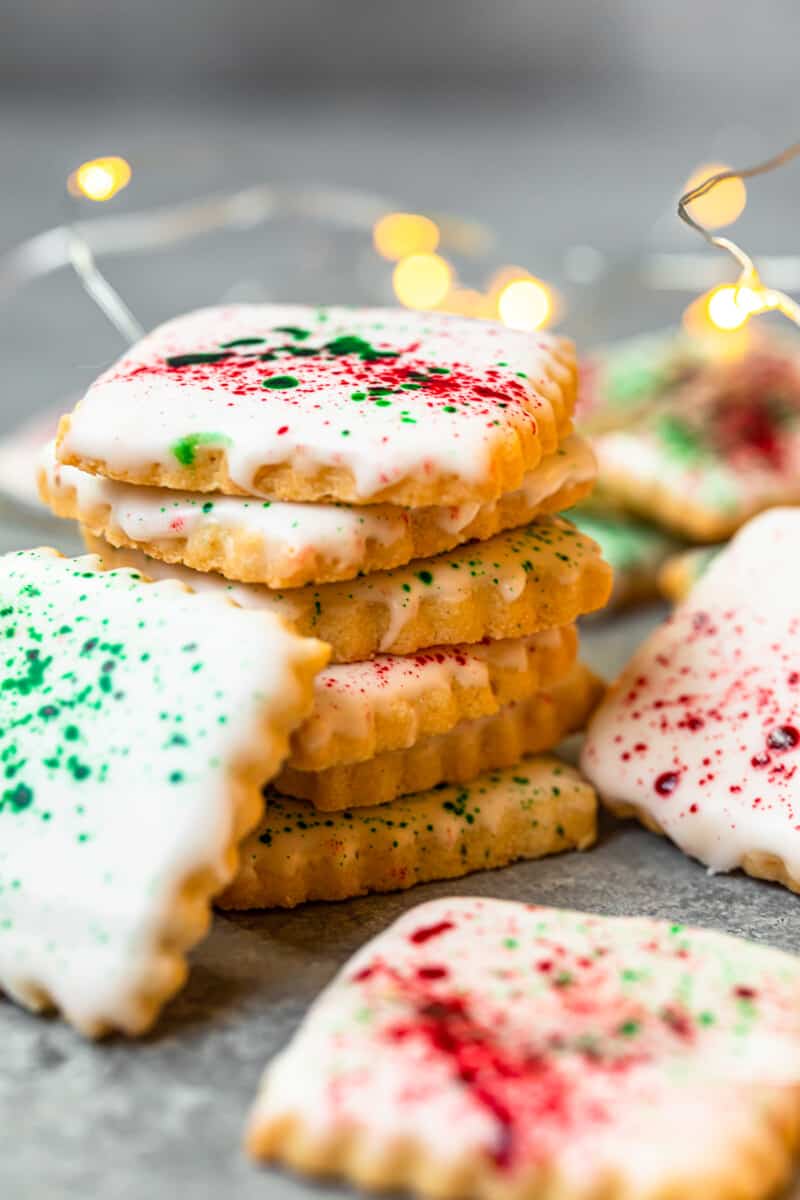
(282, 544)
(480, 1048)
(715, 452)
(137, 724)
(390, 702)
(678, 575)
(627, 377)
(458, 756)
(542, 576)
(634, 550)
(299, 403)
(539, 806)
(701, 734)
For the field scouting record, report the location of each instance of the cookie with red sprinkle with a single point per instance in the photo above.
(293, 402)
(712, 449)
(526, 726)
(479, 1048)
(700, 736)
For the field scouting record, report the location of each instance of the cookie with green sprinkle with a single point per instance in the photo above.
(537, 807)
(137, 723)
(286, 545)
(479, 1049)
(361, 405)
(542, 576)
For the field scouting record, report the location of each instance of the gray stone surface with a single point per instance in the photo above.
(152, 1120)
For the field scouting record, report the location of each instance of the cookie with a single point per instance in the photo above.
(634, 550)
(390, 702)
(538, 806)
(542, 576)
(680, 572)
(700, 736)
(481, 1048)
(458, 756)
(627, 377)
(283, 544)
(138, 722)
(292, 402)
(715, 452)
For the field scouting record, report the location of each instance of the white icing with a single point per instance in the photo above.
(572, 464)
(700, 702)
(622, 1035)
(138, 410)
(124, 707)
(283, 531)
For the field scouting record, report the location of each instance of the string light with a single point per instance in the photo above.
(725, 204)
(525, 304)
(100, 178)
(422, 280)
(398, 235)
(750, 296)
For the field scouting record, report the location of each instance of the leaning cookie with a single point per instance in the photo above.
(700, 735)
(458, 756)
(479, 1049)
(292, 402)
(536, 807)
(287, 545)
(390, 702)
(138, 721)
(542, 576)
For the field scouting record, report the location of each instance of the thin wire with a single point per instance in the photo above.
(107, 299)
(761, 298)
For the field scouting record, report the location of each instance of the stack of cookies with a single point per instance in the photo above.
(384, 481)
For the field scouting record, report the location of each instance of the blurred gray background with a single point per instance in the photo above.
(558, 124)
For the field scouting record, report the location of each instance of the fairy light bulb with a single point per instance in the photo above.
(398, 235)
(100, 178)
(422, 280)
(525, 304)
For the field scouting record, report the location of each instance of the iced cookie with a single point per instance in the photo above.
(293, 402)
(458, 756)
(282, 544)
(138, 721)
(537, 807)
(625, 378)
(700, 736)
(634, 550)
(388, 703)
(680, 572)
(479, 1049)
(715, 452)
(542, 576)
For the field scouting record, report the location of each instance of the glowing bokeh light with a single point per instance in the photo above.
(398, 235)
(731, 307)
(422, 280)
(723, 204)
(100, 178)
(525, 304)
